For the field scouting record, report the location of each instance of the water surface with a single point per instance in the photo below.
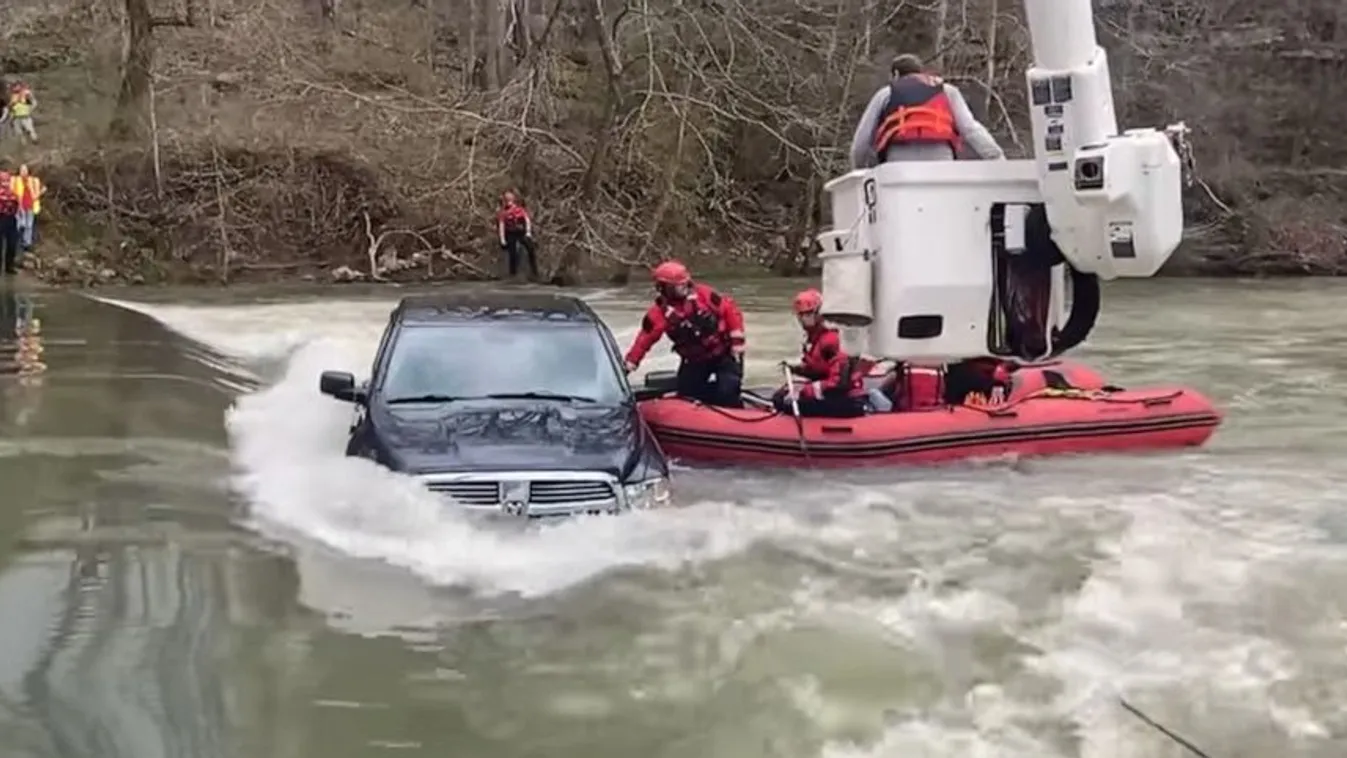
(190, 567)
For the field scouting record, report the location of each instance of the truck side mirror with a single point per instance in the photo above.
(341, 385)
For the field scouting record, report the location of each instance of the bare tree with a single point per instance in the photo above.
(132, 116)
(639, 129)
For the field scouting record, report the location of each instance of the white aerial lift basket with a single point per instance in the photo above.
(848, 254)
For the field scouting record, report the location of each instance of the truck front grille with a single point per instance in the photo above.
(561, 492)
(479, 493)
(542, 493)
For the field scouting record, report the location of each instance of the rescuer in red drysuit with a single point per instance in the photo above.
(836, 382)
(707, 332)
(514, 227)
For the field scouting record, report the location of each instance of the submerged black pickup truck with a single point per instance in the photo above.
(508, 402)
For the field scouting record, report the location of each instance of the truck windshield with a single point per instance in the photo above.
(485, 360)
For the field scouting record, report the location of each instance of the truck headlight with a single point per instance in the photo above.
(651, 493)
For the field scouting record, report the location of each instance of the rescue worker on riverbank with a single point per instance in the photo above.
(11, 249)
(514, 228)
(18, 110)
(707, 332)
(918, 117)
(29, 190)
(835, 386)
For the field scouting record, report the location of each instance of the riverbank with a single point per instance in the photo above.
(238, 142)
(80, 267)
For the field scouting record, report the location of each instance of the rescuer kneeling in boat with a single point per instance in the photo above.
(707, 332)
(836, 382)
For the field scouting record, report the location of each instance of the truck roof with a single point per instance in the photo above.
(492, 306)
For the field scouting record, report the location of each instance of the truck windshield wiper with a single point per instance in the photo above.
(539, 396)
(409, 399)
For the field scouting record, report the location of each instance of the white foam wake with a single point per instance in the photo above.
(288, 449)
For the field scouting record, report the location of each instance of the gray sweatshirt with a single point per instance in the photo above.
(974, 134)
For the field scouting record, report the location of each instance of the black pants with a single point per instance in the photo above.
(10, 244)
(829, 406)
(514, 241)
(967, 378)
(719, 381)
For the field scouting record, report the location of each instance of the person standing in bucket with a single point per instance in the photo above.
(707, 332)
(835, 382)
(918, 117)
(514, 228)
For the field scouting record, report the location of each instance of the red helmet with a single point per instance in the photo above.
(671, 273)
(808, 301)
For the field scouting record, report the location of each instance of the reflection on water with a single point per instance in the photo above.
(20, 343)
(128, 600)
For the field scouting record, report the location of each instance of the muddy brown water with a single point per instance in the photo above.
(189, 567)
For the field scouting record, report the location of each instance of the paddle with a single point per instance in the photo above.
(795, 410)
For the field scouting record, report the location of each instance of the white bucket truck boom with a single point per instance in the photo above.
(920, 251)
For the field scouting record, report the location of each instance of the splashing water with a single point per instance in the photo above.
(1004, 609)
(288, 446)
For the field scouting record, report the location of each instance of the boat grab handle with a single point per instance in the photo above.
(837, 430)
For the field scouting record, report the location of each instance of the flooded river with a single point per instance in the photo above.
(189, 567)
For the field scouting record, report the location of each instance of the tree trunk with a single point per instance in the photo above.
(523, 29)
(589, 183)
(941, 19)
(495, 41)
(991, 64)
(470, 45)
(612, 70)
(129, 117)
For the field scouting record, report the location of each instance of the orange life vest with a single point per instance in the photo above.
(918, 111)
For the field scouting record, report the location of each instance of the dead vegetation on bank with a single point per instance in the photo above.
(225, 139)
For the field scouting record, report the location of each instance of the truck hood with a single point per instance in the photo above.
(547, 437)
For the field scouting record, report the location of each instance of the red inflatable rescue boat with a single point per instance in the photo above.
(1052, 408)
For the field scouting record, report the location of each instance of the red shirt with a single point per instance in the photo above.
(513, 217)
(26, 198)
(9, 203)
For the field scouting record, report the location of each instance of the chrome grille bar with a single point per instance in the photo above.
(544, 493)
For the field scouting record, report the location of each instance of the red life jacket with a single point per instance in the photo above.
(514, 217)
(918, 112)
(833, 373)
(695, 326)
(916, 388)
